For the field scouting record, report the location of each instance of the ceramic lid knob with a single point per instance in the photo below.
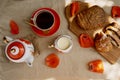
(15, 50)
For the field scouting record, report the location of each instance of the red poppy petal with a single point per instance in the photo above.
(52, 60)
(14, 27)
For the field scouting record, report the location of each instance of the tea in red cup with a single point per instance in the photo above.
(43, 20)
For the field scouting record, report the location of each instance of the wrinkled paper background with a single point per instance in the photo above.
(73, 66)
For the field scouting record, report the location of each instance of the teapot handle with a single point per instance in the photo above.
(7, 39)
(29, 61)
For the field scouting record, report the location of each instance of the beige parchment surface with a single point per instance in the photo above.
(73, 66)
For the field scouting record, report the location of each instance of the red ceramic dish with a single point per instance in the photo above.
(53, 29)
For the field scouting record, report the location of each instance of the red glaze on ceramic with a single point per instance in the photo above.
(15, 50)
(26, 41)
(19, 50)
(53, 29)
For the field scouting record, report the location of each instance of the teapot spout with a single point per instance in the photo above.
(29, 61)
(7, 39)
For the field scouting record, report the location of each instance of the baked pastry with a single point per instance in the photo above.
(103, 43)
(92, 18)
(113, 32)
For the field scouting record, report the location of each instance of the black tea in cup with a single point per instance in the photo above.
(44, 20)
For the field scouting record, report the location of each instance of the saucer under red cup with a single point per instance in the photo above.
(53, 29)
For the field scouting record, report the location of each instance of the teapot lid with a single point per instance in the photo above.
(15, 50)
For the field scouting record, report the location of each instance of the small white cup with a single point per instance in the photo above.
(63, 43)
